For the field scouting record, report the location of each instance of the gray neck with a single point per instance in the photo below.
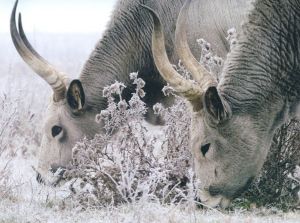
(262, 76)
(126, 47)
(123, 49)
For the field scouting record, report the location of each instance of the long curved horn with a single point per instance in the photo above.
(62, 75)
(185, 87)
(34, 60)
(199, 73)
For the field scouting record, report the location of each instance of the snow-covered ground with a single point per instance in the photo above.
(31, 202)
(22, 199)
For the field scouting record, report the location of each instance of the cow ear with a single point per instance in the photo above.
(76, 96)
(215, 106)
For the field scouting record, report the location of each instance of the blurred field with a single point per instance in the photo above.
(67, 52)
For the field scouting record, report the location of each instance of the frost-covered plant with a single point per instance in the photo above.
(8, 118)
(5, 187)
(232, 37)
(177, 137)
(123, 164)
(8, 122)
(19, 132)
(279, 182)
(209, 60)
(18, 122)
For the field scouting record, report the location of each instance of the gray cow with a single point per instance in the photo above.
(234, 120)
(124, 48)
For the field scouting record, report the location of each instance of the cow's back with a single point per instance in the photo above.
(126, 44)
(212, 19)
(208, 19)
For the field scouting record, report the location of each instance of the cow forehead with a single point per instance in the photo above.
(240, 131)
(58, 110)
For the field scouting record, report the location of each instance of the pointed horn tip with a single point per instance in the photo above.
(184, 11)
(153, 13)
(27, 52)
(13, 13)
(187, 3)
(20, 25)
(145, 7)
(19, 19)
(16, 4)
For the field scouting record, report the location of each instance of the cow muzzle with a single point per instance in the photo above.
(213, 201)
(54, 177)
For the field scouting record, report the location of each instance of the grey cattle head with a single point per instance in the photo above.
(229, 147)
(68, 119)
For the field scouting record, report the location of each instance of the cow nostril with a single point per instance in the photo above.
(59, 170)
(39, 178)
(199, 203)
(204, 149)
(214, 191)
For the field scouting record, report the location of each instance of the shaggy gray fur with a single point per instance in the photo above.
(126, 44)
(262, 73)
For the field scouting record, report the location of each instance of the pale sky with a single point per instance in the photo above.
(59, 16)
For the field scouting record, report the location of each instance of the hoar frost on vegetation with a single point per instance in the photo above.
(278, 184)
(127, 163)
(19, 132)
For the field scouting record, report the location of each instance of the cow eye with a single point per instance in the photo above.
(56, 130)
(204, 149)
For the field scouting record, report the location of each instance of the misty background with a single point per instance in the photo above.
(63, 32)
